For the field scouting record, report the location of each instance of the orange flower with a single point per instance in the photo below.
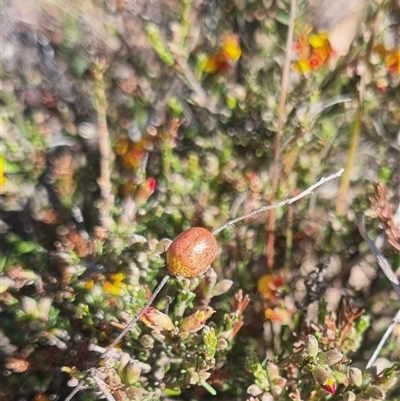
(314, 51)
(320, 45)
(131, 153)
(268, 284)
(277, 315)
(393, 61)
(302, 47)
(222, 61)
(132, 159)
(122, 146)
(215, 63)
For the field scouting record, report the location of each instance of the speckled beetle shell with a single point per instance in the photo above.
(191, 253)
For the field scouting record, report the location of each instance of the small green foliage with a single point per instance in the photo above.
(210, 342)
(159, 45)
(125, 123)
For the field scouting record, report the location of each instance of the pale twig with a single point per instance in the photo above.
(101, 385)
(276, 165)
(77, 388)
(104, 146)
(388, 331)
(285, 202)
(387, 270)
(382, 261)
(104, 180)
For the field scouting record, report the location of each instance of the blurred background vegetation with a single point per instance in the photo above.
(125, 122)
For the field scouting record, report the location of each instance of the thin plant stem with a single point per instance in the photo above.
(285, 202)
(289, 240)
(381, 344)
(104, 180)
(276, 165)
(351, 156)
(382, 261)
(102, 386)
(355, 135)
(391, 276)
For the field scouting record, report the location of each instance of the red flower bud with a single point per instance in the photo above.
(330, 386)
(156, 319)
(144, 191)
(325, 379)
(196, 321)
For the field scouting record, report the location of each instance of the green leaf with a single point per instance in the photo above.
(159, 46)
(210, 389)
(172, 391)
(20, 246)
(282, 17)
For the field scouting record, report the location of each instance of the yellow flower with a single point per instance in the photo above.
(229, 52)
(110, 288)
(89, 284)
(302, 66)
(268, 284)
(318, 40)
(230, 48)
(117, 278)
(393, 61)
(3, 180)
(115, 286)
